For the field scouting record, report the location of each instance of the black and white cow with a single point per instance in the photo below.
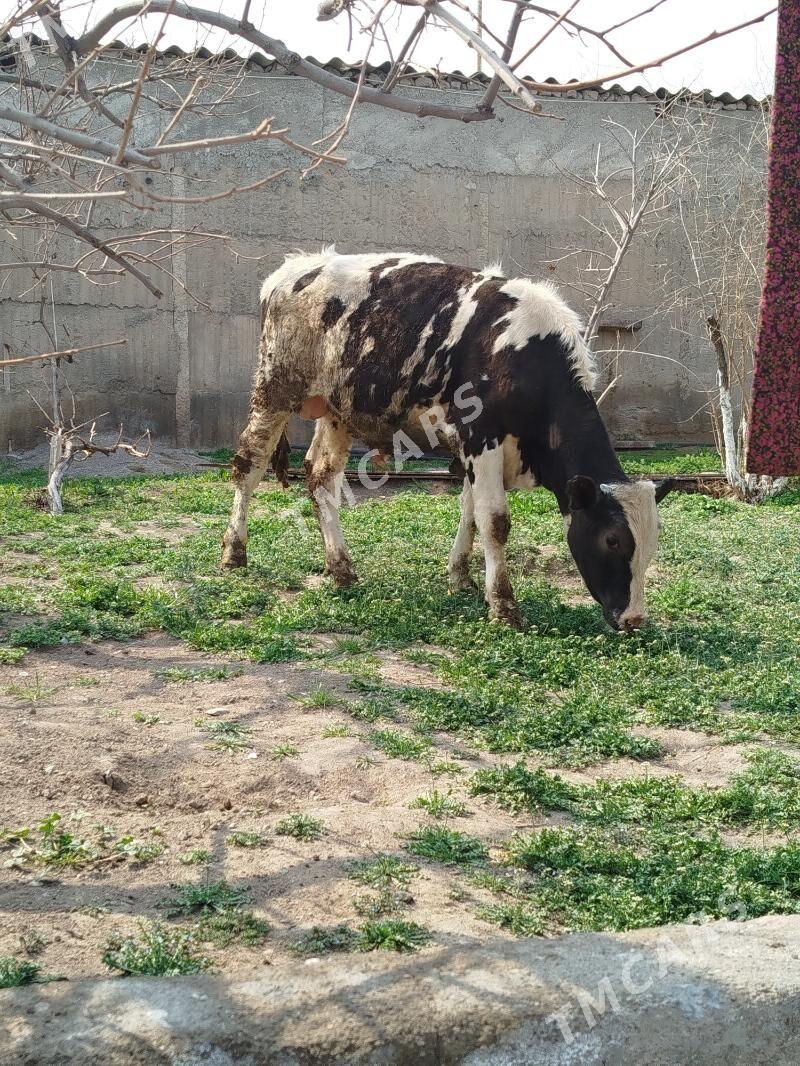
(369, 344)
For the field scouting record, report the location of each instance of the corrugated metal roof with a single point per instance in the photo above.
(417, 77)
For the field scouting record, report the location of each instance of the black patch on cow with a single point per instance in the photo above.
(241, 464)
(602, 545)
(457, 469)
(304, 281)
(471, 473)
(332, 312)
(501, 527)
(386, 329)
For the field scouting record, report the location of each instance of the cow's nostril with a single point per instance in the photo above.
(633, 621)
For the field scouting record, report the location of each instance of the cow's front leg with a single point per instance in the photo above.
(458, 575)
(494, 526)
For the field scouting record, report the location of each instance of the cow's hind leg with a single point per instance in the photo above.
(494, 526)
(256, 446)
(458, 564)
(325, 463)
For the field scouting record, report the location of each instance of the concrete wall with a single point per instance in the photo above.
(470, 194)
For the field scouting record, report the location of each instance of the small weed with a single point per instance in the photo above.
(139, 850)
(321, 941)
(301, 827)
(331, 731)
(156, 952)
(522, 919)
(445, 766)
(198, 857)
(284, 751)
(182, 674)
(439, 805)
(233, 925)
(383, 872)
(94, 909)
(30, 691)
(209, 897)
(447, 846)
(372, 709)
(146, 719)
(239, 838)
(392, 934)
(318, 698)
(226, 736)
(363, 762)
(33, 942)
(17, 972)
(399, 745)
(88, 682)
(377, 906)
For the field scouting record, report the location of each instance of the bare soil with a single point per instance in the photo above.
(77, 748)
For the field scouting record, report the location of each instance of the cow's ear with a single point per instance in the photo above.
(581, 492)
(663, 487)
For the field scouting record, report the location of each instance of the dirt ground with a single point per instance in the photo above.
(79, 749)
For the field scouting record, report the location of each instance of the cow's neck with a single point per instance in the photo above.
(576, 442)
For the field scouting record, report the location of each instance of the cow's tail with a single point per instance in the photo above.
(280, 460)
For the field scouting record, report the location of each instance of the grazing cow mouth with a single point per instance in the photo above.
(624, 621)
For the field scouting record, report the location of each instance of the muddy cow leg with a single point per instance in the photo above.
(256, 445)
(458, 575)
(494, 526)
(325, 463)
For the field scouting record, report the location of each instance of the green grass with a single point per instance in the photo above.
(284, 751)
(392, 934)
(208, 897)
(242, 839)
(721, 653)
(198, 857)
(301, 827)
(594, 879)
(382, 872)
(399, 745)
(226, 736)
(447, 845)
(17, 972)
(234, 925)
(155, 952)
(439, 805)
(50, 844)
(764, 796)
(389, 934)
(182, 674)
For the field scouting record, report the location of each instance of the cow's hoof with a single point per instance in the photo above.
(342, 572)
(234, 554)
(460, 581)
(506, 611)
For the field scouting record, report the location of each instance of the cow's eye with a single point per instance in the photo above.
(612, 541)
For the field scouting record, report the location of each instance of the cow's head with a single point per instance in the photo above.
(612, 531)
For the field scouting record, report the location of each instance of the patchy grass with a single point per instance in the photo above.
(184, 674)
(766, 795)
(226, 736)
(17, 972)
(198, 857)
(301, 827)
(208, 897)
(382, 872)
(234, 925)
(50, 844)
(241, 839)
(721, 655)
(447, 846)
(594, 879)
(392, 934)
(284, 751)
(155, 952)
(321, 941)
(439, 805)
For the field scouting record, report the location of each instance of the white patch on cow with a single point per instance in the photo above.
(638, 502)
(514, 477)
(465, 299)
(538, 312)
(493, 270)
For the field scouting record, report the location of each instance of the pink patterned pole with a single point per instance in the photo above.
(774, 445)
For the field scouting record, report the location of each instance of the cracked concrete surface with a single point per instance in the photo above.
(722, 993)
